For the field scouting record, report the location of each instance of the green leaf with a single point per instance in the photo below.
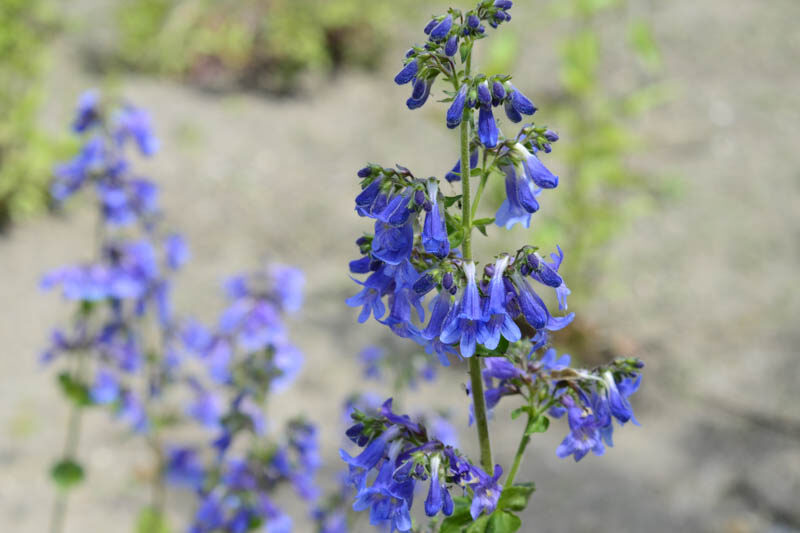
(503, 522)
(516, 498)
(450, 200)
(538, 425)
(519, 410)
(74, 390)
(483, 221)
(465, 48)
(152, 521)
(476, 171)
(460, 518)
(67, 473)
(640, 36)
(479, 525)
(503, 346)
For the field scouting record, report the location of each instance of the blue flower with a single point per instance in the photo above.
(498, 93)
(132, 411)
(550, 363)
(456, 110)
(618, 395)
(371, 357)
(184, 467)
(105, 388)
(419, 94)
(361, 266)
(535, 170)
(466, 317)
(288, 283)
(88, 111)
(408, 73)
(512, 114)
(455, 174)
(519, 102)
(434, 231)
(486, 492)
(132, 122)
(487, 127)
(451, 47)
(397, 211)
(368, 197)
(585, 429)
(438, 498)
(441, 30)
(177, 251)
(371, 295)
(533, 308)
(70, 176)
(392, 244)
(441, 429)
(520, 200)
(210, 514)
(497, 319)
(484, 94)
(543, 272)
(206, 408)
(287, 361)
(440, 307)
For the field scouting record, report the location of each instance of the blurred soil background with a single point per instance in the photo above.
(701, 284)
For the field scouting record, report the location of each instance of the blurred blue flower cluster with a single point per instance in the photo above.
(127, 349)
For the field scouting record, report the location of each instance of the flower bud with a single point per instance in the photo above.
(447, 280)
(551, 136)
(451, 47)
(429, 27)
(484, 95)
(408, 73)
(498, 92)
(441, 30)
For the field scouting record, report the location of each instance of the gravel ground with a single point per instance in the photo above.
(702, 288)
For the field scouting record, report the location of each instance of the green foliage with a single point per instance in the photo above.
(152, 520)
(67, 473)
(516, 498)
(604, 191)
(74, 389)
(26, 154)
(503, 520)
(257, 43)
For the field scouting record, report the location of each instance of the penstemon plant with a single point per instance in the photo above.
(420, 256)
(126, 350)
(118, 350)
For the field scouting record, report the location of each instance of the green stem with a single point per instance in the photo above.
(479, 402)
(523, 444)
(59, 511)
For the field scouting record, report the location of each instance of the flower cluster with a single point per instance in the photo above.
(126, 345)
(422, 281)
(234, 493)
(128, 282)
(247, 358)
(592, 399)
(397, 454)
(446, 35)
(466, 310)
